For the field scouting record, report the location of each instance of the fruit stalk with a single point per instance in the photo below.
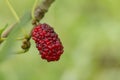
(40, 10)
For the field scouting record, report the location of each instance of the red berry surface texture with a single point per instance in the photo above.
(47, 42)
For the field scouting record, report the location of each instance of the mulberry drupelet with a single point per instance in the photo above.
(47, 42)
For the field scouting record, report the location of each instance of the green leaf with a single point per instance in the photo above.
(8, 46)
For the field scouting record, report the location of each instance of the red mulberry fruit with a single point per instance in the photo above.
(47, 42)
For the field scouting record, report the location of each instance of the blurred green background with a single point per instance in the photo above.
(89, 31)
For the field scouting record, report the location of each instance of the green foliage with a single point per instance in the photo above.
(6, 50)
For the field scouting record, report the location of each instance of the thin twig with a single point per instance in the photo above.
(42, 9)
(12, 10)
(7, 31)
(34, 6)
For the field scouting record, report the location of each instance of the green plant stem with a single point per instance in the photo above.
(8, 30)
(12, 10)
(34, 6)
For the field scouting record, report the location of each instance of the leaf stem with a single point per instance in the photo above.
(12, 10)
